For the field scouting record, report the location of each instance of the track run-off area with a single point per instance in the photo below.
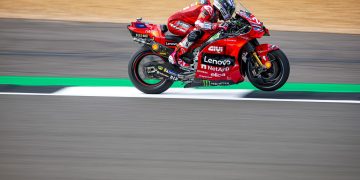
(106, 87)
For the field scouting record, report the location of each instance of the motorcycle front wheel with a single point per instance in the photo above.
(274, 77)
(139, 77)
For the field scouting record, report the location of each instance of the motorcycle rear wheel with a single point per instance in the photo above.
(138, 76)
(273, 78)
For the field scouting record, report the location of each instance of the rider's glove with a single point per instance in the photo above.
(224, 26)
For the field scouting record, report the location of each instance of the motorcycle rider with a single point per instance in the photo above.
(196, 20)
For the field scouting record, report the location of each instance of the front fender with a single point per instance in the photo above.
(264, 49)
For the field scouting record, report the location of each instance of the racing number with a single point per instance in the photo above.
(255, 19)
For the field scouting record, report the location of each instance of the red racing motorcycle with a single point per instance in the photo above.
(226, 57)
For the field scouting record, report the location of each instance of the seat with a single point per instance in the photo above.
(174, 38)
(169, 36)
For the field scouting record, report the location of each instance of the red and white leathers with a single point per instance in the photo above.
(198, 17)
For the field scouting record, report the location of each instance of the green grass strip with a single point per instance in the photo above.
(79, 81)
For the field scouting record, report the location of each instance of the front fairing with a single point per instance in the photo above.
(257, 27)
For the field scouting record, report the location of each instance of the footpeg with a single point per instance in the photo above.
(188, 58)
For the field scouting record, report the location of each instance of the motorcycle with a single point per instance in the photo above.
(226, 57)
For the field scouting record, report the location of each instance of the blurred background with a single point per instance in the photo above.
(341, 16)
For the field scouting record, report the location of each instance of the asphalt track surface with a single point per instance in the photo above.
(79, 138)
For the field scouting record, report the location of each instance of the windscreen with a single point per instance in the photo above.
(240, 7)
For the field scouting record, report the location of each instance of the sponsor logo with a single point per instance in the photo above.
(213, 68)
(221, 83)
(184, 25)
(217, 61)
(170, 72)
(174, 78)
(225, 62)
(204, 76)
(217, 75)
(206, 83)
(177, 28)
(170, 44)
(201, 71)
(162, 74)
(216, 83)
(141, 35)
(216, 49)
(163, 53)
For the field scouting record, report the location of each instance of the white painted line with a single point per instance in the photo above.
(302, 100)
(174, 93)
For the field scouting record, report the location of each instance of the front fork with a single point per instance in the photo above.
(259, 53)
(259, 63)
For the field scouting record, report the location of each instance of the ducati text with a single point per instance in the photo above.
(170, 44)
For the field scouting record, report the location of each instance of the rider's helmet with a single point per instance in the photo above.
(226, 8)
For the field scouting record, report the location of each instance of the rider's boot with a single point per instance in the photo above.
(173, 57)
(176, 57)
(181, 53)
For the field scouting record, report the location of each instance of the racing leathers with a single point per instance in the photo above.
(192, 22)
